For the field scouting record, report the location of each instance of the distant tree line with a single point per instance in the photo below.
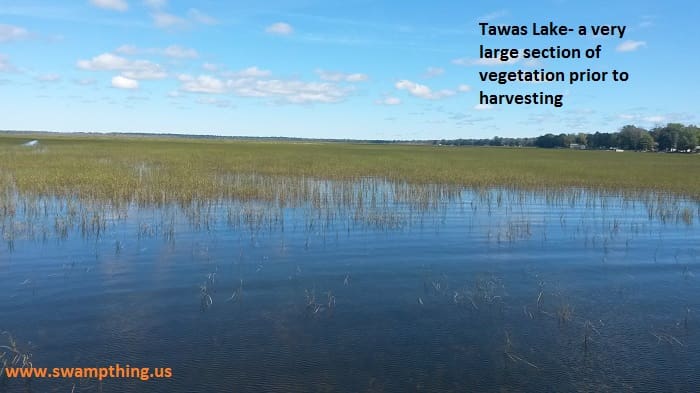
(495, 141)
(672, 137)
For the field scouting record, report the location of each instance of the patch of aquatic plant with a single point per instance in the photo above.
(237, 293)
(509, 354)
(12, 355)
(334, 206)
(667, 338)
(589, 330)
(565, 313)
(485, 292)
(319, 305)
(205, 291)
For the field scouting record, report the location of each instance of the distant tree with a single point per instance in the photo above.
(695, 130)
(646, 142)
(566, 139)
(611, 139)
(630, 138)
(687, 139)
(593, 140)
(671, 136)
(601, 140)
(546, 141)
(667, 137)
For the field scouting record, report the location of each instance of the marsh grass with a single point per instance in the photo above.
(206, 290)
(316, 306)
(159, 170)
(12, 355)
(588, 330)
(509, 354)
(663, 337)
(237, 293)
(328, 207)
(565, 313)
(485, 293)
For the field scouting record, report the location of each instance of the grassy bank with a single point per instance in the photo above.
(152, 169)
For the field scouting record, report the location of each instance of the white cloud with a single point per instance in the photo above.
(210, 67)
(422, 91)
(173, 51)
(156, 4)
(483, 62)
(121, 82)
(389, 101)
(251, 72)
(282, 91)
(202, 84)
(280, 28)
(5, 65)
(105, 61)
(356, 77)
(630, 46)
(165, 20)
(464, 88)
(493, 15)
(341, 77)
(218, 102)
(85, 81)
(293, 91)
(483, 107)
(127, 50)
(655, 119)
(647, 21)
(532, 63)
(179, 52)
(133, 69)
(247, 73)
(200, 17)
(147, 71)
(416, 89)
(51, 77)
(116, 5)
(12, 33)
(432, 72)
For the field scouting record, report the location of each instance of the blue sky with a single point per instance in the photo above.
(329, 69)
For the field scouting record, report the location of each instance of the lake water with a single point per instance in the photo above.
(382, 288)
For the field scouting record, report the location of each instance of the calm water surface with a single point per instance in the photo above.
(463, 291)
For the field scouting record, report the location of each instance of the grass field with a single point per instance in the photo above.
(174, 169)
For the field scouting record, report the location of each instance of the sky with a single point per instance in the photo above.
(354, 69)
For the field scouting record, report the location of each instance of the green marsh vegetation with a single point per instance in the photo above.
(162, 170)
